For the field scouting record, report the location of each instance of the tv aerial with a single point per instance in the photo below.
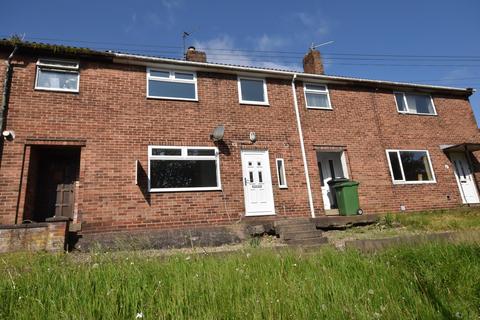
(313, 46)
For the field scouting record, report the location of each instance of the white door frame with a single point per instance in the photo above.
(269, 207)
(325, 188)
(470, 180)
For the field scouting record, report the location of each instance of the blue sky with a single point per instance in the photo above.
(389, 40)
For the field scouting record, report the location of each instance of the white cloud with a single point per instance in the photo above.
(269, 43)
(170, 4)
(164, 18)
(153, 18)
(223, 49)
(315, 24)
(458, 73)
(131, 23)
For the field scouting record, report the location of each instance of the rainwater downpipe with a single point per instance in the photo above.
(302, 147)
(6, 93)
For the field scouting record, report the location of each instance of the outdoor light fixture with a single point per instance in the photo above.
(253, 136)
(8, 135)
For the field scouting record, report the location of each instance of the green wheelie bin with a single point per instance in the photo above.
(346, 193)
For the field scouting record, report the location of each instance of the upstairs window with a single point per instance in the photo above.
(252, 91)
(415, 103)
(57, 75)
(177, 85)
(410, 166)
(316, 96)
(183, 169)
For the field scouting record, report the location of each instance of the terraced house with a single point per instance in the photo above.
(124, 142)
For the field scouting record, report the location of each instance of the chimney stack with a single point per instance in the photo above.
(193, 55)
(312, 62)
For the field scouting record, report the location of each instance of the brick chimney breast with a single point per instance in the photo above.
(312, 62)
(193, 55)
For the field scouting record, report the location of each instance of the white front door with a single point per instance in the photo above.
(330, 165)
(464, 177)
(257, 183)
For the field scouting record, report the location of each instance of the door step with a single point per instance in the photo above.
(299, 232)
(332, 212)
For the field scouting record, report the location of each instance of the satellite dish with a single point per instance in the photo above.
(218, 133)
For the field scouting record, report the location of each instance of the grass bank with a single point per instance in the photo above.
(399, 224)
(427, 282)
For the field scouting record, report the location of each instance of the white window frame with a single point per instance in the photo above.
(406, 103)
(171, 78)
(184, 156)
(265, 91)
(281, 186)
(434, 179)
(42, 64)
(305, 91)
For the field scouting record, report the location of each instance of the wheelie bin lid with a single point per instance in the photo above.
(335, 181)
(347, 183)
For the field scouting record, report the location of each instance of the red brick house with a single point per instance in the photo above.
(125, 142)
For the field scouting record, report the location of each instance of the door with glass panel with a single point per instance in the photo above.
(464, 177)
(330, 166)
(257, 183)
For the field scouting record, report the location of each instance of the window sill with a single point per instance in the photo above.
(57, 90)
(419, 114)
(184, 190)
(170, 98)
(283, 187)
(413, 182)
(254, 103)
(320, 108)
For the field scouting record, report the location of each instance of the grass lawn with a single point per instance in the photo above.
(397, 224)
(435, 281)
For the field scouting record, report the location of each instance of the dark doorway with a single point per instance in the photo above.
(53, 172)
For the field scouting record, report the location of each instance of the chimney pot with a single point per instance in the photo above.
(193, 55)
(312, 62)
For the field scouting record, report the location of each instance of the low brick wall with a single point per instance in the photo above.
(45, 236)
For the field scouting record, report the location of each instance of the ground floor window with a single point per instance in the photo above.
(282, 180)
(410, 166)
(183, 168)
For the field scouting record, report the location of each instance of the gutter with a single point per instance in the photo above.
(127, 58)
(302, 147)
(6, 94)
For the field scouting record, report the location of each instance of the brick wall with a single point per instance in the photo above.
(116, 123)
(365, 122)
(45, 236)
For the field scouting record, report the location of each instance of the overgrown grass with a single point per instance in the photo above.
(398, 224)
(428, 282)
(439, 220)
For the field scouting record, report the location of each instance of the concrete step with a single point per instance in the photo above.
(296, 228)
(287, 222)
(308, 241)
(300, 235)
(332, 212)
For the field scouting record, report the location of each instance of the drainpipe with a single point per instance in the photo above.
(6, 93)
(302, 147)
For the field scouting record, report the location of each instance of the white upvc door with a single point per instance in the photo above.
(464, 176)
(257, 183)
(330, 166)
